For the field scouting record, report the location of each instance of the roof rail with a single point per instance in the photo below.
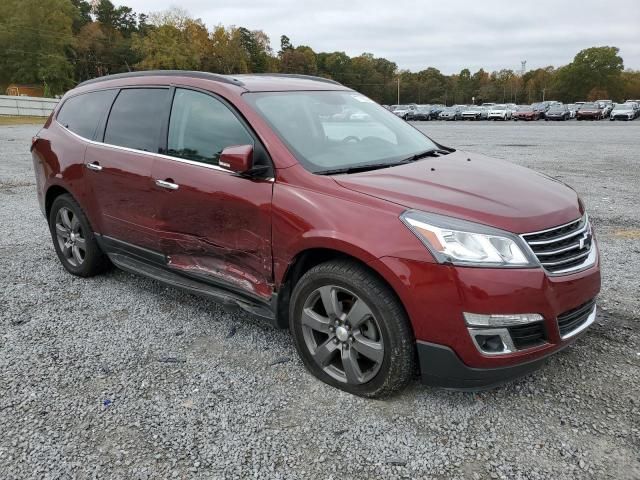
(167, 73)
(289, 75)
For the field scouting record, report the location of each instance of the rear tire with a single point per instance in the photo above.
(351, 331)
(73, 239)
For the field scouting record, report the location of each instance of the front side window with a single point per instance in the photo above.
(331, 130)
(201, 127)
(82, 113)
(136, 118)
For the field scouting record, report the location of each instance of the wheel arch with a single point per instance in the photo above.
(308, 258)
(53, 192)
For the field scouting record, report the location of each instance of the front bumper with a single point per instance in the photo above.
(436, 296)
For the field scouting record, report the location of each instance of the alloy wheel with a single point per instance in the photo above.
(70, 237)
(342, 335)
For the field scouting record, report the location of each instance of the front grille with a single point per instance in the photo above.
(573, 319)
(527, 336)
(562, 249)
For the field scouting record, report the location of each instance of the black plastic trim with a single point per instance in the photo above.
(152, 264)
(165, 73)
(441, 367)
(290, 75)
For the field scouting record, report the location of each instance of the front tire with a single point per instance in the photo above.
(351, 331)
(73, 239)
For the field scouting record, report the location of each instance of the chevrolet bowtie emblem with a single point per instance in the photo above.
(583, 239)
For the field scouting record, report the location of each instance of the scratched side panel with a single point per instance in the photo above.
(216, 225)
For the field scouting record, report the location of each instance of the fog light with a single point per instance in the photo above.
(500, 320)
(492, 341)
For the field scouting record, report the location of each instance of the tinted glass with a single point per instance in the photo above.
(81, 114)
(201, 127)
(329, 130)
(136, 118)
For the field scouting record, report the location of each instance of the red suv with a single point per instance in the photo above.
(384, 252)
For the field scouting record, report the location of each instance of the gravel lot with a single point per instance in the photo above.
(120, 377)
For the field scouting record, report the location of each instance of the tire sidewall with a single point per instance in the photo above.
(93, 255)
(308, 284)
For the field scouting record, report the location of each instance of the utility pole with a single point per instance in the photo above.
(398, 90)
(543, 90)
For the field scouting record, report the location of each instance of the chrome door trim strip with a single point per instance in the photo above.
(152, 154)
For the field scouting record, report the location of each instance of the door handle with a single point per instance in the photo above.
(94, 166)
(167, 185)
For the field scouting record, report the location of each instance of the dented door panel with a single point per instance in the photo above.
(215, 225)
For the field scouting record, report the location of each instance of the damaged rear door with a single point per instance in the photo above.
(212, 223)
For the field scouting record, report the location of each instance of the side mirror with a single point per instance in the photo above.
(238, 158)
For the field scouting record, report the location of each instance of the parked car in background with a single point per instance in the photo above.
(624, 111)
(475, 112)
(540, 108)
(605, 106)
(384, 253)
(589, 111)
(451, 113)
(402, 110)
(558, 112)
(499, 112)
(526, 112)
(421, 113)
(573, 108)
(435, 111)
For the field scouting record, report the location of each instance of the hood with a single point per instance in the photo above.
(483, 190)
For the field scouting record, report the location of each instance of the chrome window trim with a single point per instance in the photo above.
(159, 155)
(590, 319)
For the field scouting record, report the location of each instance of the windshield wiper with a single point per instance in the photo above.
(434, 152)
(356, 168)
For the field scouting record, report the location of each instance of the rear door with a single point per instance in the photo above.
(119, 165)
(213, 224)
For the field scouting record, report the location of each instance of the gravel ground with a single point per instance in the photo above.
(120, 377)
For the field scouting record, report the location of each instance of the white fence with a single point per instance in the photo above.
(27, 106)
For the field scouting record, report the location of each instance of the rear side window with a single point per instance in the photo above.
(81, 114)
(201, 127)
(136, 118)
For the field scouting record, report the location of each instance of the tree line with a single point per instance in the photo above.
(59, 43)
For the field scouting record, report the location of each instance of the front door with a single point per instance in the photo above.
(212, 223)
(119, 170)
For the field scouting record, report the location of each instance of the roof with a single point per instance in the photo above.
(255, 82)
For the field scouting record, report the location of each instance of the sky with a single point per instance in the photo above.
(448, 35)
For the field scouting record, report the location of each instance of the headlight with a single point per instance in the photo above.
(451, 240)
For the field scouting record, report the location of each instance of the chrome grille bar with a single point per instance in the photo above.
(563, 249)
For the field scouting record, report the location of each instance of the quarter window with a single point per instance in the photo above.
(201, 127)
(81, 114)
(136, 118)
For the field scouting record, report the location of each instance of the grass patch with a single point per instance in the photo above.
(13, 120)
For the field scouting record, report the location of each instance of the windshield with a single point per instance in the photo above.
(323, 138)
(588, 106)
(499, 107)
(525, 108)
(402, 107)
(623, 106)
(556, 108)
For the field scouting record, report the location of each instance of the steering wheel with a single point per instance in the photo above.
(351, 138)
